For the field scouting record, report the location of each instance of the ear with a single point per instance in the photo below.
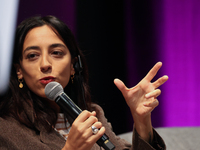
(72, 72)
(73, 61)
(18, 71)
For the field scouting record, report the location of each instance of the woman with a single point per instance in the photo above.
(45, 50)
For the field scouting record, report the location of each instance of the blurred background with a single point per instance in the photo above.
(124, 39)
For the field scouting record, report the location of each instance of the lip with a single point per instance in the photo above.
(46, 80)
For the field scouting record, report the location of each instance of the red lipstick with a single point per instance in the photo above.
(46, 80)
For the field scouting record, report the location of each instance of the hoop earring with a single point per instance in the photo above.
(20, 83)
(72, 78)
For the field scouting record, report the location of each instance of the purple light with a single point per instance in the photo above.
(180, 54)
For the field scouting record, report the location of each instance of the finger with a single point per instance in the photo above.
(84, 128)
(84, 115)
(120, 85)
(154, 94)
(98, 125)
(90, 121)
(94, 137)
(160, 81)
(152, 104)
(151, 74)
(88, 131)
(99, 134)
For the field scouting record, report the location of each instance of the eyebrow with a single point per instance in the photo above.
(31, 47)
(57, 45)
(51, 46)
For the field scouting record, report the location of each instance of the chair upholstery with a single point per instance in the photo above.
(179, 138)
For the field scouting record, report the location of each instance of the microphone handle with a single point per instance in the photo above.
(68, 105)
(73, 110)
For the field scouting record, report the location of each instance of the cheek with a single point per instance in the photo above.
(65, 73)
(29, 72)
(31, 79)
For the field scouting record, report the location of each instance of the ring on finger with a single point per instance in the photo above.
(94, 130)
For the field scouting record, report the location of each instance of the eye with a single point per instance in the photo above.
(57, 53)
(32, 56)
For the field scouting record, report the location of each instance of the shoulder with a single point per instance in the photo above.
(9, 130)
(6, 123)
(8, 126)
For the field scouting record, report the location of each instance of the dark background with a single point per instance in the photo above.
(101, 29)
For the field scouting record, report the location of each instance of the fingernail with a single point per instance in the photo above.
(147, 95)
(145, 104)
(93, 112)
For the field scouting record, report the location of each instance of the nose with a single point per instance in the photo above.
(45, 65)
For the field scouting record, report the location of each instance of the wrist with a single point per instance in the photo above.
(67, 146)
(144, 128)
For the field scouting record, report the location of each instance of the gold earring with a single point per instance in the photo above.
(20, 83)
(72, 78)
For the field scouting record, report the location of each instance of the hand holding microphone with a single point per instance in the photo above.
(81, 136)
(86, 121)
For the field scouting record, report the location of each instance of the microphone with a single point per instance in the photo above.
(54, 91)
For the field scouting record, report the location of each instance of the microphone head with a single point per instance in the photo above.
(52, 90)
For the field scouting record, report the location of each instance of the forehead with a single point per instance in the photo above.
(39, 35)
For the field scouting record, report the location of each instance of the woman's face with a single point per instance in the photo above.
(45, 58)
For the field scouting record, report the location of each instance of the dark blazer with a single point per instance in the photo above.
(16, 136)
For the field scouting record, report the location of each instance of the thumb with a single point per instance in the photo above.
(120, 85)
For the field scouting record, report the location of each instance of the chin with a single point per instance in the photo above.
(40, 94)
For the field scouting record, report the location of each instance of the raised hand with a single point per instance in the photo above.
(142, 99)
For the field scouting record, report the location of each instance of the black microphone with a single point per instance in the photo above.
(54, 91)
